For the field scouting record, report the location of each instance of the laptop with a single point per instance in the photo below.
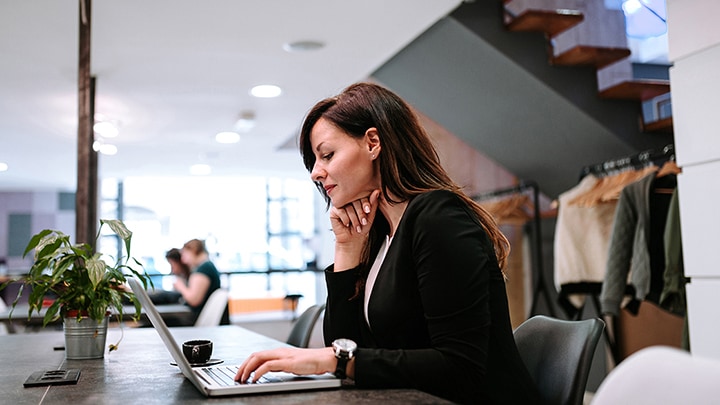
(219, 380)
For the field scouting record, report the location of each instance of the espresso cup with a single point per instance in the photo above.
(198, 351)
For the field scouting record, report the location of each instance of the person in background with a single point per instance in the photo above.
(204, 278)
(177, 267)
(181, 271)
(159, 296)
(416, 295)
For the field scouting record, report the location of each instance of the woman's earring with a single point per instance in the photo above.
(373, 156)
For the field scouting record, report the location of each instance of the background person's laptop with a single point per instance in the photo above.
(218, 380)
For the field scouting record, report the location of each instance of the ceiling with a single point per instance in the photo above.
(173, 73)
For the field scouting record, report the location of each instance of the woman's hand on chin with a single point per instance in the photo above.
(355, 218)
(351, 225)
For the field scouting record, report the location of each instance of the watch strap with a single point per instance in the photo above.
(341, 369)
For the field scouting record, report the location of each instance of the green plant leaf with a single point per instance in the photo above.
(38, 267)
(116, 301)
(138, 308)
(52, 313)
(120, 230)
(61, 266)
(36, 239)
(37, 295)
(81, 250)
(48, 246)
(17, 299)
(96, 270)
(143, 277)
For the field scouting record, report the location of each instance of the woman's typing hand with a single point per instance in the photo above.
(288, 359)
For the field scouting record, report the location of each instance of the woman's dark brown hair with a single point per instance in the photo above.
(408, 162)
(175, 255)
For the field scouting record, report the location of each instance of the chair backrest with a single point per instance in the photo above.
(303, 328)
(559, 354)
(212, 312)
(661, 375)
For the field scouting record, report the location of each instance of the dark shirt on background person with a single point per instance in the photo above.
(203, 281)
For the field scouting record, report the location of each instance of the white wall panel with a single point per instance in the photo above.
(704, 313)
(694, 44)
(696, 105)
(692, 26)
(700, 219)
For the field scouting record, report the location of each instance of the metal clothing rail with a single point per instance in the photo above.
(637, 160)
(541, 287)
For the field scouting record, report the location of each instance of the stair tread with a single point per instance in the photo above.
(551, 22)
(664, 125)
(636, 89)
(590, 55)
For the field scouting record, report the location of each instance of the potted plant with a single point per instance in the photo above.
(74, 282)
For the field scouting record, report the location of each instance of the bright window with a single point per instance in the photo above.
(249, 224)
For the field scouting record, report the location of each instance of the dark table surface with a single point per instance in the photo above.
(20, 315)
(140, 371)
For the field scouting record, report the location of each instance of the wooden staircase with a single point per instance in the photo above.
(551, 22)
(557, 22)
(583, 55)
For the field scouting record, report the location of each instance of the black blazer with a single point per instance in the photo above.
(439, 320)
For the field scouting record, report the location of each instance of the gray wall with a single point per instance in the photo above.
(22, 214)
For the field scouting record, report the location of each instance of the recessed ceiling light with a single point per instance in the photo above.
(266, 91)
(227, 137)
(105, 148)
(303, 46)
(200, 169)
(106, 129)
(3, 167)
(108, 149)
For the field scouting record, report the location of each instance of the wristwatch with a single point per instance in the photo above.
(344, 351)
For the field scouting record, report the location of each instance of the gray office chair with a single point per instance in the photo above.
(304, 325)
(559, 354)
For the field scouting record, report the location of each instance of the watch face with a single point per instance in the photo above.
(346, 345)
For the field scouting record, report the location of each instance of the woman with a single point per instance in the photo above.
(181, 271)
(204, 278)
(177, 267)
(418, 287)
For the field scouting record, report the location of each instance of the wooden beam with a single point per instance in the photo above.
(86, 192)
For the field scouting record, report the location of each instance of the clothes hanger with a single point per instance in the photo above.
(669, 167)
(510, 210)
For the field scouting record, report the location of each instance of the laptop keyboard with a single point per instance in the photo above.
(225, 375)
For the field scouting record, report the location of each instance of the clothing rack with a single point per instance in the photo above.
(541, 287)
(638, 160)
(593, 290)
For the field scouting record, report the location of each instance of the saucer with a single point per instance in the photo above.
(210, 362)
